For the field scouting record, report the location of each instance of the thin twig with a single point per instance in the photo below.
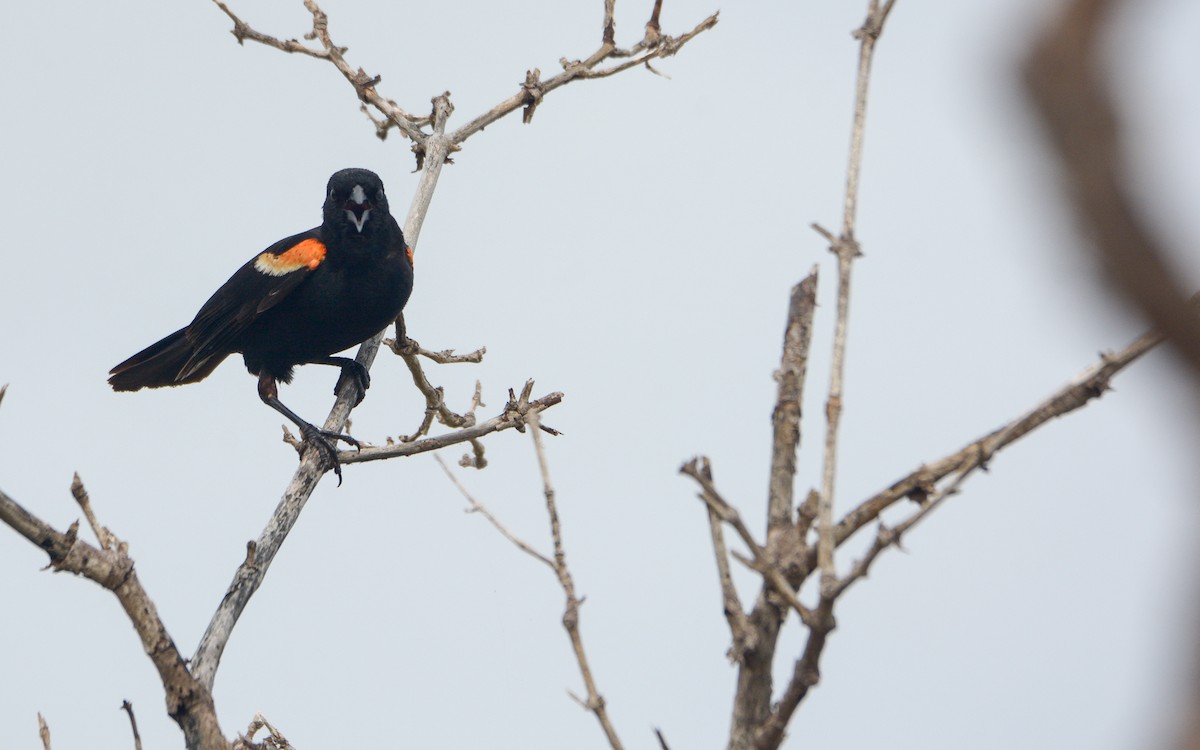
(481, 509)
(847, 249)
(127, 707)
(595, 701)
(43, 728)
(533, 89)
(435, 403)
(364, 85)
(920, 483)
(739, 625)
(700, 469)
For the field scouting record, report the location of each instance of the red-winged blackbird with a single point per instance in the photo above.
(297, 302)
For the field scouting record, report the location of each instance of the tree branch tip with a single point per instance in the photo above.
(828, 235)
(662, 741)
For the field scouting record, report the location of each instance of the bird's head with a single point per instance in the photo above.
(355, 204)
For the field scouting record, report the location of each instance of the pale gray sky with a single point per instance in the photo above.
(633, 248)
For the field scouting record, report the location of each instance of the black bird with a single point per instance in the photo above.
(297, 302)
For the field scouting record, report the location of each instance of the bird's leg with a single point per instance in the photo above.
(352, 371)
(268, 391)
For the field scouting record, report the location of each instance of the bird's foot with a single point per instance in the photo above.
(358, 375)
(325, 441)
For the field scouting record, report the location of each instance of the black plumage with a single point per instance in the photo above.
(298, 302)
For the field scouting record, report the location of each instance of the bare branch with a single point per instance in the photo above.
(700, 469)
(533, 89)
(739, 625)
(273, 741)
(435, 405)
(786, 416)
(364, 85)
(846, 248)
(189, 702)
(595, 701)
(127, 707)
(515, 415)
(481, 509)
(1064, 77)
(43, 728)
(920, 483)
(249, 576)
(103, 536)
(805, 674)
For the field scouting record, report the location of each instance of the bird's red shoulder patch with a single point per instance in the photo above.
(305, 254)
(408, 251)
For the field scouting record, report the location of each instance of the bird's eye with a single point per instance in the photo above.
(379, 195)
(332, 193)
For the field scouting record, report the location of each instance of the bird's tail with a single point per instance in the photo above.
(162, 364)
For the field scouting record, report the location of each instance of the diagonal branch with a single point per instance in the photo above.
(1064, 78)
(248, 578)
(432, 148)
(189, 702)
(594, 702)
(364, 84)
(920, 483)
(653, 45)
(700, 469)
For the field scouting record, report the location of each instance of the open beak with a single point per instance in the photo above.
(358, 208)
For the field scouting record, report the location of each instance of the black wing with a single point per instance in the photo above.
(256, 287)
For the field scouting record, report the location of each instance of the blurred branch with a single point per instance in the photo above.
(189, 702)
(1064, 79)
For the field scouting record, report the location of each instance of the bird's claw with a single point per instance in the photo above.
(359, 376)
(325, 441)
